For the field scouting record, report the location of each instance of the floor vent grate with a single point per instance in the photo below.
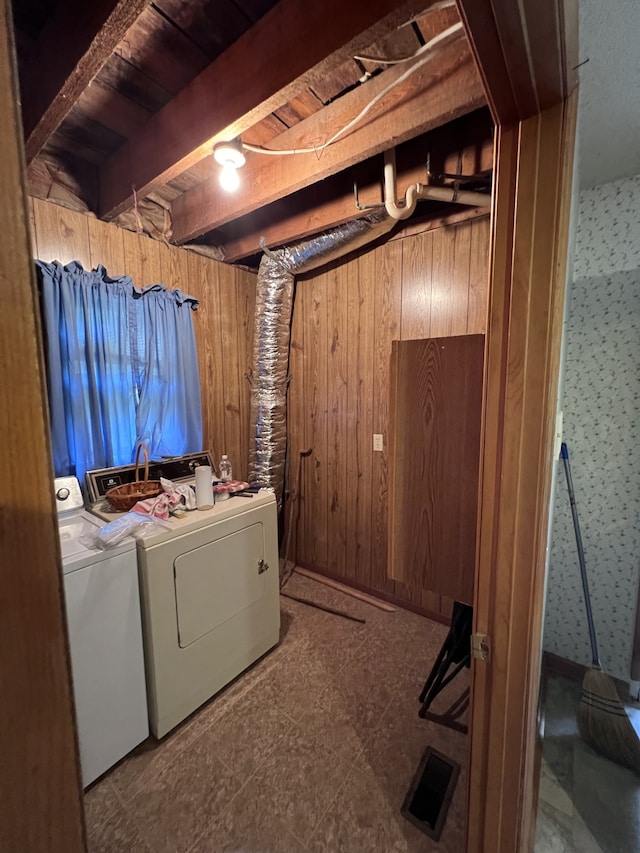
(427, 803)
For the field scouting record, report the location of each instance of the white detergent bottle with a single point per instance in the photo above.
(225, 469)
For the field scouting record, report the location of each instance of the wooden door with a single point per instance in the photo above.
(40, 790)
(436, 416)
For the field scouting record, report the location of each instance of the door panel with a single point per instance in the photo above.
(217, 581)
(435, 450)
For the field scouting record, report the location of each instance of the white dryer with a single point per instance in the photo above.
(105, 637)
(209, 585)
(210, 603)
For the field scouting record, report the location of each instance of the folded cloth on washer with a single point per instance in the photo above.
(157, 507)
(230, 488)
(174, 500)
(182, 495)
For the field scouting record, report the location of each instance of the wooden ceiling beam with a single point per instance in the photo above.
(431, 97)
(325, 205)
(332, 202)
(279, 56)
(72, 48)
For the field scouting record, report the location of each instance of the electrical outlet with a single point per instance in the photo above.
(378, 443)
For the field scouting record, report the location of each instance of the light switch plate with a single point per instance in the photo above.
(378, 443)
(558, 436)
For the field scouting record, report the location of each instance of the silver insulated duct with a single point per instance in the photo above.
(271, 335)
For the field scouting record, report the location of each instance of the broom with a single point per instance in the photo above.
(602, 719)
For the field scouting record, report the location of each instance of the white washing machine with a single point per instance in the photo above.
(105, 636)
(210, 594)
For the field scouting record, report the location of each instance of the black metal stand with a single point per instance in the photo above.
(456, 653)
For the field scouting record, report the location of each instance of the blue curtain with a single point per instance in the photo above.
(121, 368)
(169, 413)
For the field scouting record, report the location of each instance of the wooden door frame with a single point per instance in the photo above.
(534, 171)
(40, 789)
(526, 54)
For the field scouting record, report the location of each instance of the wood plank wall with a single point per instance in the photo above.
(432, 284)
(223, 322)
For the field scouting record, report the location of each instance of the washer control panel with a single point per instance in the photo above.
(68, 494)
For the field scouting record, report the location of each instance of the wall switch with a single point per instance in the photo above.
(378, 443)
(558, 436)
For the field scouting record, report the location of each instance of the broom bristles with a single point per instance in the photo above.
(603, 721)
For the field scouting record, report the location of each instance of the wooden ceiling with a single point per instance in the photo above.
(123, 101)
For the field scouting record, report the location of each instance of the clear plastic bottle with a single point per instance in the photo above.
(225, 469)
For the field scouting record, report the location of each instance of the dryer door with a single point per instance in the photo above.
(217, 581)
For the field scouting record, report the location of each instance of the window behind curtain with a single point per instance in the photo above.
(121, 368)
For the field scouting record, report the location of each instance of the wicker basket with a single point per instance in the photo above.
(124, 497)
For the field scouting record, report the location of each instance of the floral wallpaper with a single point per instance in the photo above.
(602, 429)
(608, 238)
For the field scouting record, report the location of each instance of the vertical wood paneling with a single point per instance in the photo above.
(194, 276)
(387, 282)
(478, 278)
(106, 247)
(337, 391)
(174, 267)
(351, 304)
(203, 284)
(223, 323)
(417, 261)
(230, 386)
(344, 324)
(246, 300)
(149, 262)
(151, 257)
(362, 325)
(319, 486)
(443, 296)
(133, 252)
(214, 302)
(460, 279)
(307, 521)
(296, 425)
(61, 235)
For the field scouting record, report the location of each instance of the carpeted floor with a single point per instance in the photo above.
(312, 749)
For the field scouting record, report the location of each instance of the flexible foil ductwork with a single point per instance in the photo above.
(271, 335)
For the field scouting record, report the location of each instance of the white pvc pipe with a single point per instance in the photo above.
(416, 191)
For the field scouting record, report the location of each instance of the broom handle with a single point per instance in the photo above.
(564, 454)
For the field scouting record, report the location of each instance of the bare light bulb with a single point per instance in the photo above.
(229, 178)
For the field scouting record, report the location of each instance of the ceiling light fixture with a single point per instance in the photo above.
(231, 157)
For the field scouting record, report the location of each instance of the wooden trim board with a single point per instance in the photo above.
(40, 789)
(527, 53)
(385, 596)
(341, 587)
(534, 168)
